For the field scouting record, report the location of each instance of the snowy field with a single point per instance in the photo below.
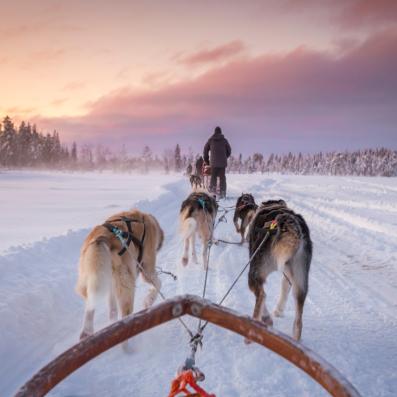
(350, 315)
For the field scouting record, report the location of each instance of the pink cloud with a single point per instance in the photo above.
(216, 54)
(369, 12)
(303, 99)
(350, 13)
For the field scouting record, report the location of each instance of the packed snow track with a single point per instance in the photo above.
(350, 315)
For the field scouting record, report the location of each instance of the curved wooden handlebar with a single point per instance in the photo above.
(69, 361)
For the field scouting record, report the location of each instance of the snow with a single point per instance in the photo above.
(350, 316)
(60, 201)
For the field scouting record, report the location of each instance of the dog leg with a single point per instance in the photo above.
(126, 304)
(236, 225)
(242, 232)
(88, 323)
(95, 281)
(185, 257)
(256, 281)
(300, 297)
(112, 307)
(124, 283)
(205, 254)
(300, 286)
(194, 253)
(285, 288)
(260, 311)
(154, 281)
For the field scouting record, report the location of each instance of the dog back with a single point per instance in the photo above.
(291, 230)
(198, 202)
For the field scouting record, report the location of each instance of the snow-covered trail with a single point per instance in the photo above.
(350, 315)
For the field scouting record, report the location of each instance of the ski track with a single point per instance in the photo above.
(350, 315)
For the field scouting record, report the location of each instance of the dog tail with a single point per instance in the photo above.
(95, 270)
(160, 234)
(161, 239)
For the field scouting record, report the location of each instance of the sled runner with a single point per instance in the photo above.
(69, 361)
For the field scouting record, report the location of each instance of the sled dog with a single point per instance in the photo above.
(244, 212)
(108, 266)
(207, 171)
(197, 215)
(195, 182)
(288, 248)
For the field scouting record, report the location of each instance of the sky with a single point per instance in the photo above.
(276, 75)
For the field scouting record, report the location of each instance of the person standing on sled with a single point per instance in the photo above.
(220, 151)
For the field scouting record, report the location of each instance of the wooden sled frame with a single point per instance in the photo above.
(75, 357)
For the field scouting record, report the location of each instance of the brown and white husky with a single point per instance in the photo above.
(109, 268)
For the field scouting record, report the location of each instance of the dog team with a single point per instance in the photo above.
(125, 246)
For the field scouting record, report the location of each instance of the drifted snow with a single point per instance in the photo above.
(350, 315)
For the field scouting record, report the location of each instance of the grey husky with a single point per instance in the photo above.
(288, 249)
(245, 212)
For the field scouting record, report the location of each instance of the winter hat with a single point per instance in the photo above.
(218, 130)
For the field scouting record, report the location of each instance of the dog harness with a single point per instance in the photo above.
(201, 201)
(271, 225)
(125, 238)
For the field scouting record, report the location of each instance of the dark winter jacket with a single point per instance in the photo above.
(220, 150)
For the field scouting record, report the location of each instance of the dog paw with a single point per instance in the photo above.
(113, 315)
(247, 341)
(267, 320)
(149, 300)
(278, 313)
(85, 334)
(185, 261)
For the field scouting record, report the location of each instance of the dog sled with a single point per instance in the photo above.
(69, 361)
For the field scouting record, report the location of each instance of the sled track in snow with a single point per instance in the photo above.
(349, 317)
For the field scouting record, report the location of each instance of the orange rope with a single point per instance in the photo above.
(184, 379)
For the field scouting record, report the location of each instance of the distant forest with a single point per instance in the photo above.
(25, 147)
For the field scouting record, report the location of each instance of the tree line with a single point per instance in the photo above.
(25, 147)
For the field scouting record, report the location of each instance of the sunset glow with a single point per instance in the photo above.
(295, 74)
